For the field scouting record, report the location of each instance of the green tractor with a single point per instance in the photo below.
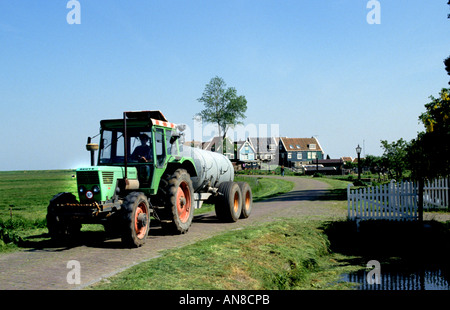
(144, 171)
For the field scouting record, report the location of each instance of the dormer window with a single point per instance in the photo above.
(312, 146)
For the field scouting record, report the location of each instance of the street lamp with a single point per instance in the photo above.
(358, 151)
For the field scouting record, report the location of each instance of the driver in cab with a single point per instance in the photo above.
(143, 152)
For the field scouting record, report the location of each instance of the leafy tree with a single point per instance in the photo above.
(395, 157)
(374, 163)
(222, 105)
(437, 115)
(429, 153)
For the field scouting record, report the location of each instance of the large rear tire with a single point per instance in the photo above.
(136, 219)
(60, 228)
(179, 206)
(228, 205)
(247, 199)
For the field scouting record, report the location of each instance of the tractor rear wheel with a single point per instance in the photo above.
(229, 203)
(59, 227)
(179, 206)
(136, 219)
(247, 199)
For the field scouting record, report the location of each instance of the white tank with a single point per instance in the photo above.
(212, 168)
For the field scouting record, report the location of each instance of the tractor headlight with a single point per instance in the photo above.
(96, 189)
(81, 189)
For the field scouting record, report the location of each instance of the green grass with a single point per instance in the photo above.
(281, 255)
(28, 192)
(262, 188)
(24, 197)
(338, 188)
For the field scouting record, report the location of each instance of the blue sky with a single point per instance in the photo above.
(313, 68)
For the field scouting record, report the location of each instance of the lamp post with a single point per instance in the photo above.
(358, 151)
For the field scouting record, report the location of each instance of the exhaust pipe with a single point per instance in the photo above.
(91, 147)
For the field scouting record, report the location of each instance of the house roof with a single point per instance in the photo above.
(301, 144)
(319, 168)
(347, 158)
(241, 144)
(330, 161)
(262, 144)
(217, 141)
(355, 160)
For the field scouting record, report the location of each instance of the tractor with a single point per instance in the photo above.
(144, 171)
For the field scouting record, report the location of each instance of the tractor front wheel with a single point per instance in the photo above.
(59, 227)
(136, 219)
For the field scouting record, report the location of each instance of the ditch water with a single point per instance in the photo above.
(405, 255)
(424, 279)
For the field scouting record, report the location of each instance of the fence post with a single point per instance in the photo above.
(391, 193)
(446, 193)
(420, 202)
(349, 198)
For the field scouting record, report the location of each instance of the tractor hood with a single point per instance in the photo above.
(99, 183)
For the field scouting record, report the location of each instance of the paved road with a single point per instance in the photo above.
(46, 268)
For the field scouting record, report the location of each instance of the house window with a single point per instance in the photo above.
(313, 155)
(289, 155)
(298, 146)
(309, 155)
(312, 146)
(290, 145)
(299, 155)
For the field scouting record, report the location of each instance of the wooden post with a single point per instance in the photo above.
(420, 202)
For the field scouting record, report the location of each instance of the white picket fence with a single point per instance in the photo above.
(395, 201)
(435, 194)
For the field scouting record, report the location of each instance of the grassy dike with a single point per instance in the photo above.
(281, 255)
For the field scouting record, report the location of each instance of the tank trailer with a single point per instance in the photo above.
(145, 172)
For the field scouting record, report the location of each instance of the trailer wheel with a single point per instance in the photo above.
(60, 228)
(229, 204)
(247, 199)
(179, 208)
(136, 219)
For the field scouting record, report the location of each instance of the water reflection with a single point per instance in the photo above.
(418, 280)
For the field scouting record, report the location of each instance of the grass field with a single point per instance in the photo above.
(24, 197)
(26, 193)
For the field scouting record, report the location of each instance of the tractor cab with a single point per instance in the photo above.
(142, 140)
